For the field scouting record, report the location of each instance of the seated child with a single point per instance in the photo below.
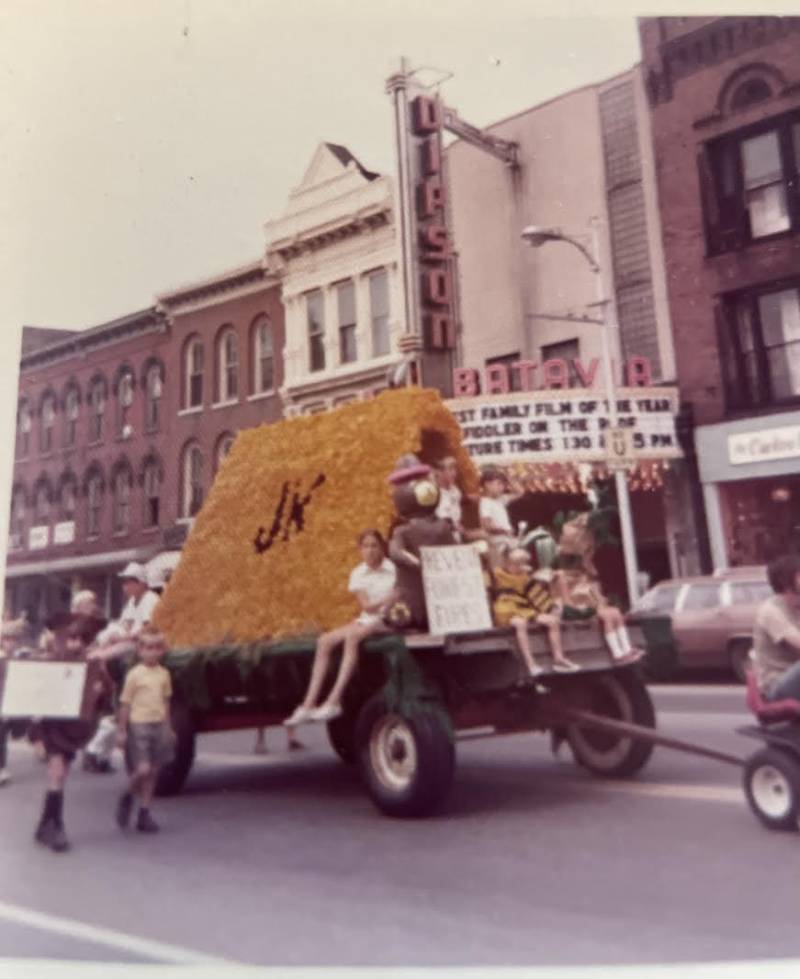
(581, 599)
(494, 518)
(373, 583)
(520, 599)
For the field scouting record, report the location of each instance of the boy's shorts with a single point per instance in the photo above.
(151, 743)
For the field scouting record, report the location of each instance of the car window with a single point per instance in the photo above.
(749, 592)
(702, 596)
(660, 599)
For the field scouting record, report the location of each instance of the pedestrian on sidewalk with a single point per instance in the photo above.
(62, 739)
(143, 726)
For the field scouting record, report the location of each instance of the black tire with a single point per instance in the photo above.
(342, 736)
(172, 777)
(772, 786)
(739, 658)
(622, 696)
(407, 762)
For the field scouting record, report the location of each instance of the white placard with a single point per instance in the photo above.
(764, 446)
(43, 689)
(455, 592)
(566, 426)
(38, 538)
(64, 533)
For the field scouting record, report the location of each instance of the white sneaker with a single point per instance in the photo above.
(326, 713)
(5, 778)
(300, 716)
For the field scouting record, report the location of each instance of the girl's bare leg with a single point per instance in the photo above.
(524, 643)
(553, 625)
(322, 657)
(354, 633)
(57, 770)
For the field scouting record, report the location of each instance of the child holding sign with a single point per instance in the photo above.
(520, 599)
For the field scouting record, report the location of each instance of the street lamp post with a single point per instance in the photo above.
(536, 237)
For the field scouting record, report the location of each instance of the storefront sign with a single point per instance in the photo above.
(64, 533)
(566, 426)
(764, 446)
(455, 592)
(528, 375)
(38, 538)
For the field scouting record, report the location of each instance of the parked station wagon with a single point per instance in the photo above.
(712, 616)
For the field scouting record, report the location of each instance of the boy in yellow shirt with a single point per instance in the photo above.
(144, 724)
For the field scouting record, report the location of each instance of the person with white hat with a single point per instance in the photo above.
(119, 639)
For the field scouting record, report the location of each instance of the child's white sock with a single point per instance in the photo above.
(624, 639)
(613, 643)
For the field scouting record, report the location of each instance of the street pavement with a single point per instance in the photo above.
(282, 860)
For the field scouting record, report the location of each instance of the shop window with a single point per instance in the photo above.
(315, 316)
(193, 374)
(153, 391)
(346, 304)
(749, 184)
(760, 519)
(97, 407)
(227, 366)
(151, 485)
(48, 421)
(379, 311)
(24, 424)
(71, 412)
(191, 481)
(760, 348)
(263, 356)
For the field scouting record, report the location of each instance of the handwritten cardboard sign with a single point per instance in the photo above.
(455, 593)
(43, 689)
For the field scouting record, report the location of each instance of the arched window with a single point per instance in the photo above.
(16, 530)
(152, 475)
(48, 421)
(24, 424)
(153, 390)
(750, 92)
(41, 503)
(121, 483)
(191, 480)
(125, 385)
(227, 366)
(72, 403)
(224, 444)
(193, 373)
(97, 406)
(67, 497)
(262, 356)
(94, 502)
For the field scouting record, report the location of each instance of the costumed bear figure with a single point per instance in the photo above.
(415, 495)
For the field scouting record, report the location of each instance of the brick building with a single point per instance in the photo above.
(120, 430)
(724, 97)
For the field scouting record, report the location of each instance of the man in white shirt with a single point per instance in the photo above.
(119, 639)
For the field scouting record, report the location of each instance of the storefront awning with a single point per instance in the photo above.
(69, 564)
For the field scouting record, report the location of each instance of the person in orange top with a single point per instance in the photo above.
(143, 724)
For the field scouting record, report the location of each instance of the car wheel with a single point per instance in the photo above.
(739, 658)
(772, 787)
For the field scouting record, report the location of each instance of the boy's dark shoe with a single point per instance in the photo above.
(145, 822)
(58, 840)
(44, 832)
(124, 807)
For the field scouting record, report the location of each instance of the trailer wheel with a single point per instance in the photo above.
(772, 786)
(624, 697)
(407, 761)
(342, 737)
(172, 776)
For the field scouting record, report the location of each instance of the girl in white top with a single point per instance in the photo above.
(372, 582)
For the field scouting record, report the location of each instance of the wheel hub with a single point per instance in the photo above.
(393, 752)
(771, 791)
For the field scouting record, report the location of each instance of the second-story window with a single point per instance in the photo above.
(124, 403)
(68, 499)
(23, 430)
(71, 411)
(749, 182)
(122, 500)
(94, 504)
(263, 358)
(16, 534)
(346, 304)
(228, 367)
(153, 390)
(41, 505)
(191, 480)
(97, 408)
(224, 446)
(193, 374)
(151, 484)
(315, 315)
(379, 312)
(48, 421)
(760, 348)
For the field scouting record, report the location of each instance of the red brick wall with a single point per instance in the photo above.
(684, 116)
